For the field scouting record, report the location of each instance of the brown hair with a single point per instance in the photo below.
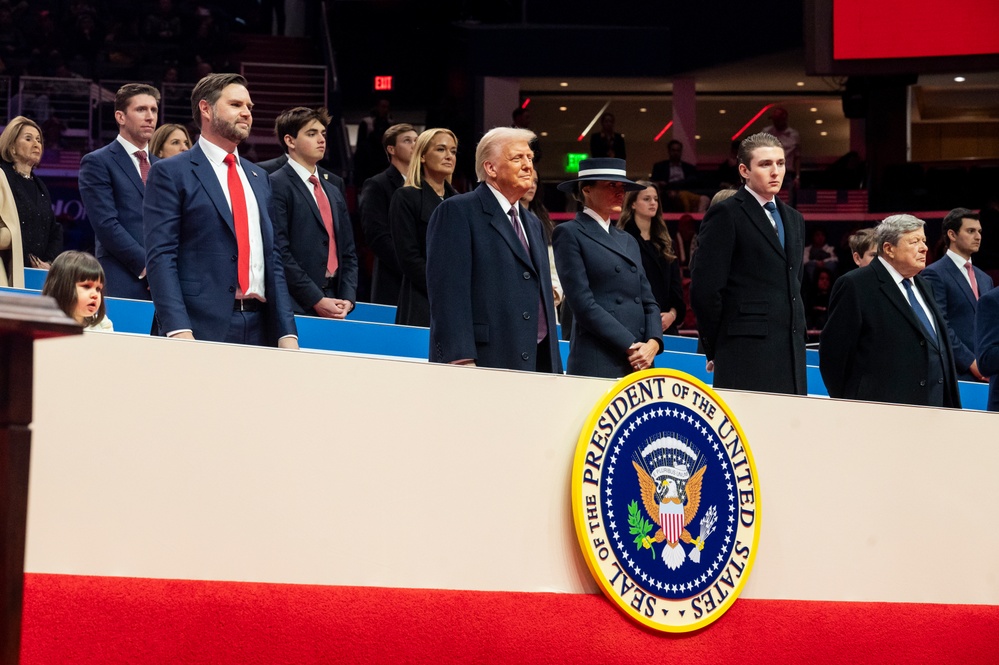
(129, 90)
(66, 271)
(160, 136)
(291, 121)
(210, 89)
(658, 233)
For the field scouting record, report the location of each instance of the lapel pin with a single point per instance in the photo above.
(326, 176)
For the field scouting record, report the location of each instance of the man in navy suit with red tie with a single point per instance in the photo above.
(215, 271)
(112, 184)
(311, 223)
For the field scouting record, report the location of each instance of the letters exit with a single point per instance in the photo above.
(383, 83)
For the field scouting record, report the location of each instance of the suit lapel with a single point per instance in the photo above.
(891, 291)
(205, 172)
(954, 273)
(760, 220)
(125, 163)
(304, 192)
(501, 222)
(257, 178)
(592, 229)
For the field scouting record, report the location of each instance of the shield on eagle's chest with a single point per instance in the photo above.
(671, 521)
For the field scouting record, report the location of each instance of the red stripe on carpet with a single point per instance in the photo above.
(107, 620)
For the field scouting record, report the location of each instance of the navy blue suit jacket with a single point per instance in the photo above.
(987, 343)
(191, 249)
(304, 243)
(611, 299)
(484, 287)
(112, 193)
(957, 303)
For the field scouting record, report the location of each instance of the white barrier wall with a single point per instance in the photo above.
(169, 459)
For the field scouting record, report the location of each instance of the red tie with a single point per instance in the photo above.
(327, 214)
(974, 280)
(143, 165)
(240, 222)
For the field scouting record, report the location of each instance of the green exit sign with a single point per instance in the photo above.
(572, 161)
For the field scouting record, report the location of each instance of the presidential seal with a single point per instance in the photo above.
(665, 500)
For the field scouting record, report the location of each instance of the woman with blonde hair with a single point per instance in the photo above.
(642, 217)
(428, 182)
(40, 233)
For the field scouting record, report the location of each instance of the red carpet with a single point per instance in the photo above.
(106, 620)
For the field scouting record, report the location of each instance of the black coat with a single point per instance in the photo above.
(746, 291)
(373, 207)
(664, 278)
(409, 216)
(874, 348)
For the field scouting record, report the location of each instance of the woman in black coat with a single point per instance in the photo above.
(21, 151)
(642, 217)
(428, 182)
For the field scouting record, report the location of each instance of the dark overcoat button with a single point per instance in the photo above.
(525, 356)
(617, 268)
(527, 275)
(526, 316)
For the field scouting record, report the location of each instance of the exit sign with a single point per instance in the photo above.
(572, 161)
(383, 83)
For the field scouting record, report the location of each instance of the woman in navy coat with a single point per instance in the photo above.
(428, 182)
(616, 327)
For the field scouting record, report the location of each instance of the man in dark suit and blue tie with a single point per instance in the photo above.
(112, 185)
(215, 271)
(311, 223)
(488, 275)
(745, 280)
(957, 286)
(885, 339)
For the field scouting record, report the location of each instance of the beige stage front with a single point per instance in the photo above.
(170, 459)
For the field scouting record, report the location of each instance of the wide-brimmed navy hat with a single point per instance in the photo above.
(602, 168)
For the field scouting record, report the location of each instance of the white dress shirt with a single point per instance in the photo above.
(130, 150)
(897, 276)
(215, 156)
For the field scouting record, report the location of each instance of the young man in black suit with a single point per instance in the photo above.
(745, 281)
(311, 224)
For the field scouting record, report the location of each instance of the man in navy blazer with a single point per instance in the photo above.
(987, 343)
(490, 296)
(112, 185)
(885, 340)
(215, 271)
(745, 283)
(320, 264)
(951, 277)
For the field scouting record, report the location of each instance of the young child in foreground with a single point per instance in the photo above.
(76, 281)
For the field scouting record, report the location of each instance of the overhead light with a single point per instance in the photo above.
(697, 136)
(722, 111)
(818, 121)
(564, 84)
(599, 115)
(800, 84)
(959, 79)
(663, 131)
(544, 133)
(563, 108)
(756, 117)
(642, 110)
(814, 109)
(823, 133)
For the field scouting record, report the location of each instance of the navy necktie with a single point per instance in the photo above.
(772, 209)
(918, 309)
